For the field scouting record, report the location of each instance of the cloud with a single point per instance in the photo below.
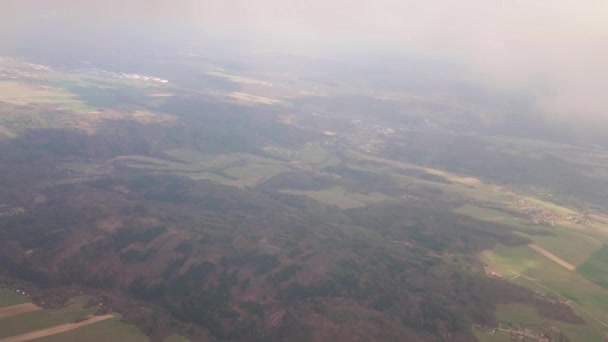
(554, 49)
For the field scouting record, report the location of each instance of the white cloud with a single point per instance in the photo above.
(556, 48)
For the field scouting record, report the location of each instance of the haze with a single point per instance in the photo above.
(554, 50)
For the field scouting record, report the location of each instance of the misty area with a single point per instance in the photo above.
(206, 170)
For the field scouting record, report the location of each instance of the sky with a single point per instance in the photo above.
(555, 49)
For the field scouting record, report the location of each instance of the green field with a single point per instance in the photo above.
(280, 153)
(253, 174)
(65, 100)
(596, 268)
(37, 320)
(333, 196)
(313, 153)
(110, 330)
(488, 214)
(573, 246)
(202, 159)
(8, 298)
(19, 93)
(522, 314)
(236, 169)
(525, 314)
(523, 266)
(207, 176)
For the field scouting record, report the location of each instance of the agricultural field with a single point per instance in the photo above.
(38, 97)
(333, 196)
(240, 170)
(9, 298)
(73, 322)
(564, 261)
(314, 154)
(522, 319)
(596, 267)
(527, 267)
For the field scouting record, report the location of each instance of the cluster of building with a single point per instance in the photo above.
(15, 69)
(6, 211)
(536, 214)
(22, 292)
(582, 220)
(527, 333)
(121, 75)
(142, 78)
(298, 164)
(13, 73)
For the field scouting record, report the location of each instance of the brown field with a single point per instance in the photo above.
(252, 98)
(18, 309)
(552, 257)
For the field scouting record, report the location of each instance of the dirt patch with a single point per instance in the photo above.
(552, 257)
(110, 224)
(55, 330)
(18, 309)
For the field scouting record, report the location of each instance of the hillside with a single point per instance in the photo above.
(268, 206)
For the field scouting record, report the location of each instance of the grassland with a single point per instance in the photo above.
(253, 174)
(106, 331)
(332, 196)
(236, 169)
(572, 243)
(315, 154)
(8, 298)
(69, 100)
(573, 246)
(525, 315)
(280, 153)
(596, 268)
(19, 93)
(488, 214)
(529, 268)
(523, 266)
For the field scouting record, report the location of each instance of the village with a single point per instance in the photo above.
(7, 211)
(524, 333)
